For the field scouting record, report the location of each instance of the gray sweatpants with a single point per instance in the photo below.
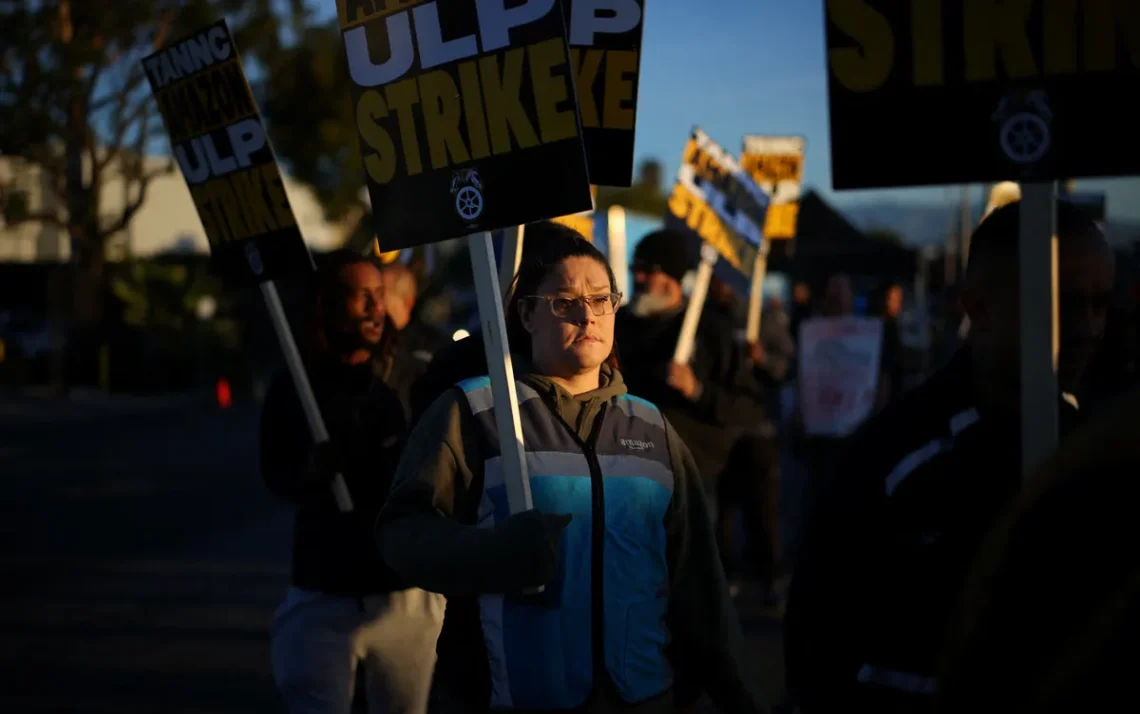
(321, 641)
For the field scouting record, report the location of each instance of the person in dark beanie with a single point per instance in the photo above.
(707, 399)
(346, 611)
(919, 485)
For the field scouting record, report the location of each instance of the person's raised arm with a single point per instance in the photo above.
(729, 394)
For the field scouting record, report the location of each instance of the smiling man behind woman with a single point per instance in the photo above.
(346, 612)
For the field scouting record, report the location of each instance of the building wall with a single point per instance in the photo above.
(167, 220)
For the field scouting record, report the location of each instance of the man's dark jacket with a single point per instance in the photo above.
(334, 552)
(729, 402)
(889, 547)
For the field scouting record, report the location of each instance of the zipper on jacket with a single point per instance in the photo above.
(597, 564)
(597, 542)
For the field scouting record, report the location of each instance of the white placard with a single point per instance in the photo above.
(838, 372)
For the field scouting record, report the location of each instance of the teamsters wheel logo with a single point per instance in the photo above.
(1024, 132)
(468, 192)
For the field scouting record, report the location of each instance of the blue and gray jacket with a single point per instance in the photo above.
(610, 627)
(613, 581)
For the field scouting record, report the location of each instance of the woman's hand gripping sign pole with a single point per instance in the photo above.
(500, 370)
(499, 367)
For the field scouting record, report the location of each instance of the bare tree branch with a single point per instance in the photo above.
(134, 80)
(133, 168)
(102, 60)
(122, 124)
(160, 36)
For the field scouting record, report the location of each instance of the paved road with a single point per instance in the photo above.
(142, 561)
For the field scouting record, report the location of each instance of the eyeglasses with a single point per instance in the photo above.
(602, 304)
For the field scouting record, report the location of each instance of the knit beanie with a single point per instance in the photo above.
(667, 250)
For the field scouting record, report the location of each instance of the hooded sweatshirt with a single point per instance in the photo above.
(427, 532)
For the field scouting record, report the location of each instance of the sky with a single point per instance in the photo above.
(757, 67)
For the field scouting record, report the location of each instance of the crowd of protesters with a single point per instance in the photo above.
(659, 498)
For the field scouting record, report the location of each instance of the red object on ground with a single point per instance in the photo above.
(222, 391)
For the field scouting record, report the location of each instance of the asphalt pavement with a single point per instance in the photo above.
(142, 560)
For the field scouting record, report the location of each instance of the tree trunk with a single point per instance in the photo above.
(87, 254)
(88, 263)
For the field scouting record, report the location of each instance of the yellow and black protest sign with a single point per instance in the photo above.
(717, 202)
(582, 222)
(605, 52)
(467, 115)
(776, 165)
(221, 147)
(928, 92)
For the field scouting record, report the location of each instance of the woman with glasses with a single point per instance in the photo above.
(634, 614)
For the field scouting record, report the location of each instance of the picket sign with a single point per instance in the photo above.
(242, 249)
(301, 382)
(1040, 334)
(684, 350)
(756, 294)
(511, 258)
(500, 370)
(616, 246)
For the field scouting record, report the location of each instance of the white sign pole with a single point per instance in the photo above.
(512, 258)
(1037, 265)
(501, 371)
(685, 342)
(756, 294)
(616, 244)
(301, 382)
